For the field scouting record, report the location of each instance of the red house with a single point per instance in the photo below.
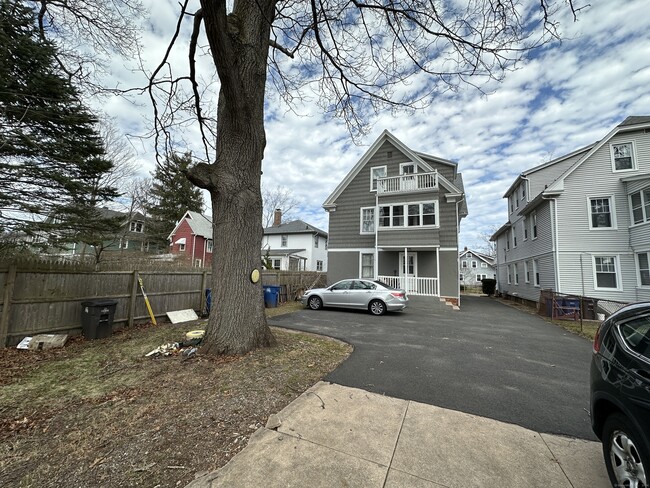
(192, 237)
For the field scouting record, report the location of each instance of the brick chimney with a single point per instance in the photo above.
(277, 217)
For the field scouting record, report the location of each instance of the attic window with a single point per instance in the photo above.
(389, 154)
(623, 156)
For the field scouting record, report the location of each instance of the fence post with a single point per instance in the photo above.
(204, 283)
(6, 303)
(134, 296)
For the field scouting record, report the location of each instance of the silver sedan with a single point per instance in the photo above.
(374, 296)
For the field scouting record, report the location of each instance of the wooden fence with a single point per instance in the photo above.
(39, 301)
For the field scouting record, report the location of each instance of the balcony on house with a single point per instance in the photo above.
(408, 183)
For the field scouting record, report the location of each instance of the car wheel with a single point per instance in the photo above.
(315, 303)
(626, 458)
(377, 307)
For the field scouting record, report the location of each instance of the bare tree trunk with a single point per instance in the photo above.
(237, 320)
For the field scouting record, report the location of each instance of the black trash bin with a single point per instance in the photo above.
(97, 318)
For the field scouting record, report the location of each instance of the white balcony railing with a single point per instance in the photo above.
(408, 183)
(413, 285)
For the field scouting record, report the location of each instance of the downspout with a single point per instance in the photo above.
(205, 247)
(193, 248)
(376, 263)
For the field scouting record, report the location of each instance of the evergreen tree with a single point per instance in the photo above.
(51, 155)
(172, 195)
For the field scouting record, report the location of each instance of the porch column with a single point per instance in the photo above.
(405, 274)
(438, 271)
(376, 212)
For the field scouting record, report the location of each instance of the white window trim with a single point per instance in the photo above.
(361, 232)
(372, 171)
(484, 265)
(516, 273)
(401, 166)
(436, 212)
(209, 245)
(611, 154)
(361, 253)
(181, 247)
(526, 272)
(514, 235)
(319, 263)
(638, 269)
(536, 282)
(283, 242)
(617, 265)
(508, 240)
(509, 275)
(525, 227)
(533, 225)
(646, 218)
(612, 211)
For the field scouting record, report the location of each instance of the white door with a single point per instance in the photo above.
(408, 270)
(407, 172)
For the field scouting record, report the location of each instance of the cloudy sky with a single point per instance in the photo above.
(567, 95)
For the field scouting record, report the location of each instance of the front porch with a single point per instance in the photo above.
(413, 285)
(415, 271)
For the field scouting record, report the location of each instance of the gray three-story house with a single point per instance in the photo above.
(395, 217)
(580, 224)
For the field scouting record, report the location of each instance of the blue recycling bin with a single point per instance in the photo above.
(271, 296)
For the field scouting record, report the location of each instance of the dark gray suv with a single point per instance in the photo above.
(620, 395)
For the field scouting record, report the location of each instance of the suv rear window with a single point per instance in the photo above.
(636, 334)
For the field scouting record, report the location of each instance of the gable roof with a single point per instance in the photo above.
(630, 124)
(483, 257)
(412, 155)
(294, 227)
(200, 225)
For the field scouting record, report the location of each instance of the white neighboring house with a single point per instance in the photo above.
(294, 246)
(580, 224)
(474, 266)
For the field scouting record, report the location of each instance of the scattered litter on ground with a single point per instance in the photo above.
(178, 316)
(187, 349)
(43, 341)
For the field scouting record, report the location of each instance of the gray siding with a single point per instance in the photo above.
(409, 237)
(545, 176)
(427, 264)
(389, 264)
(342, 265)
(448, 281)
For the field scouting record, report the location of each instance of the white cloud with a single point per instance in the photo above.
(566, 96)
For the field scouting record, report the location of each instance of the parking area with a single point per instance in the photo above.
(487, 359)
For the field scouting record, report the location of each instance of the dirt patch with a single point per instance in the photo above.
(100, 414)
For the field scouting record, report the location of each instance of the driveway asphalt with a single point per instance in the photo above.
(487, 359)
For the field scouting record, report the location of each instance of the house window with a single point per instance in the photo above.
(319, 265)
(407, 169)
(367, 265)
(600, 210)
(507, 240)
(474, 264)
(197, 263)
(605, 270)
(124, 243)
(514, 235)
(525, 229)
(461, 278)
(208, 246)
(512, 206)
(389, 154)
(376, 173)
(414, 216)
(526, 272)
(410, 215)
(136, 226)
(284, 241)
(181, 246)
(523, 192)
(516, 274)
(368, 220)
(509, 275)
(315, 241)
(463, 263)
(623, 157)
(275, 263)
(483, 265)
(534, 224)
(644, 268)
(480, 277)
(536, 271)
(640, 205)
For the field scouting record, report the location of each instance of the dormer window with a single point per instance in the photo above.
(136, 226)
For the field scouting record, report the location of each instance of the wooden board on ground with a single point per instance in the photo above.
(178, 316)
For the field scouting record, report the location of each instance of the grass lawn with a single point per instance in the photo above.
(98, 413)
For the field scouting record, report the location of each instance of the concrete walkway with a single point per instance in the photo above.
(336, 436)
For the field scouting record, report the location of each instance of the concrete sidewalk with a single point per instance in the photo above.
(335, 436)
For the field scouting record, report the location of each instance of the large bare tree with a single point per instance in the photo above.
(357, 57)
